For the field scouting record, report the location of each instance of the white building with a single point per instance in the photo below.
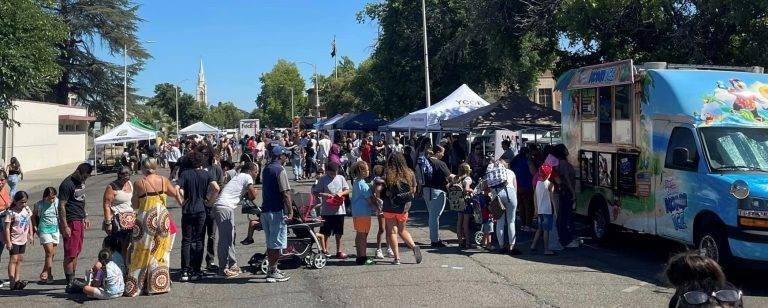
(49, 135)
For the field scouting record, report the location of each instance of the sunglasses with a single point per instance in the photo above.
(722, 296)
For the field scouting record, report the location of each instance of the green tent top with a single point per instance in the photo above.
(140, 124)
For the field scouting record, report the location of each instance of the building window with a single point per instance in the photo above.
(545, 97)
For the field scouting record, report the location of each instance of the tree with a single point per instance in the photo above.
(190, 111)
(719, 32)
(224, 115)
(28, 36)
(98, 83)
(274, 100)
(155, 116)
(336, 89)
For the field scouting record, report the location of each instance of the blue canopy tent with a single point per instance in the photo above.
(365, 121)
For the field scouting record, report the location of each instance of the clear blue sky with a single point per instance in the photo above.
(238, 40)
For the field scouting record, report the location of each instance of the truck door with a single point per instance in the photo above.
(679, 180)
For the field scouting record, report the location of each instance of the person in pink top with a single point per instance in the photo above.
(18, 231)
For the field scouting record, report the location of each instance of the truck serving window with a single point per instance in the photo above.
(682, 145)
(605, 115)
(623, 113)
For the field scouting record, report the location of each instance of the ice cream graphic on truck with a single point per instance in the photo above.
(677, 151)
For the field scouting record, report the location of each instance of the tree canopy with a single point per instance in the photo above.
(274, 100)
(28, 38)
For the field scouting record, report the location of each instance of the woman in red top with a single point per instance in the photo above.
(5, 203)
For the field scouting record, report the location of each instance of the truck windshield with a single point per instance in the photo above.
(736, 148)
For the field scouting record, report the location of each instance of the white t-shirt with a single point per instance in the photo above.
(173, 155)
(325, 146)
(233, 190)
(543, 198)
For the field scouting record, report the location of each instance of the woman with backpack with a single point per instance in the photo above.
(436, 178)
(459, 192)
(398, 192)
(503, 186)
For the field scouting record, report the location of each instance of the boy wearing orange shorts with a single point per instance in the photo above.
(363, 207)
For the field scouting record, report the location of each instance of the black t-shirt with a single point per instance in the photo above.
(73, 191)
(195, 183)
(216, 173)
(440, 173)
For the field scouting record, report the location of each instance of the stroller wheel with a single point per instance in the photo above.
(264, 266)
(319, 260)
(307, 259)
(478, 238)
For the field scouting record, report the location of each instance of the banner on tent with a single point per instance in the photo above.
(502, 135)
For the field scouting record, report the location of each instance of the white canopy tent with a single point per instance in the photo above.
(461, 101)
(199, 128)
(125, 132)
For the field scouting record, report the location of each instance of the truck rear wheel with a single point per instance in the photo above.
(599, 223)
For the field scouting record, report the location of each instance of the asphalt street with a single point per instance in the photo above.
(626, 272)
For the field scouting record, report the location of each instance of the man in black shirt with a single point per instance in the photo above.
(73, 220)
(194, 185)
(435, 195)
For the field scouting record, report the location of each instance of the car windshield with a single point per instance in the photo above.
(736, 148)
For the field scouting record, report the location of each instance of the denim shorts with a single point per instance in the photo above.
(275, 229)
(487, 226)
(545, 222)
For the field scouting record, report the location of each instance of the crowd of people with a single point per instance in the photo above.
(375, 176)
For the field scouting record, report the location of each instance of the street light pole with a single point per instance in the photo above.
(426, 50)
(317, 88)
(291, 88)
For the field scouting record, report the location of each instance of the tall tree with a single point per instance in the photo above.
(28, 36)
(98, 83)
(274, 100)
(190, 111)
(336, 89)
(224, 115)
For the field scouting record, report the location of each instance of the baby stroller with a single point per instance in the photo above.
(302, 242)
(478, 201)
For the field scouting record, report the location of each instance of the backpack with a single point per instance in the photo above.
(399, 196)
(425, 166)
(457, 198)
(496, 175)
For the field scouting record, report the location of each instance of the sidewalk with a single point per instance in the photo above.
(35, 181)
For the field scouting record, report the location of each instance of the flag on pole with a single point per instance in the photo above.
(333, 47)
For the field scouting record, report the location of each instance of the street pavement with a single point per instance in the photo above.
(624, 272)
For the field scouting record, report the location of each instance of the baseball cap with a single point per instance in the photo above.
(278, 149)
(545, 170)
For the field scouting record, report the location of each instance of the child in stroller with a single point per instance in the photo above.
(481, 234)
(302, 241)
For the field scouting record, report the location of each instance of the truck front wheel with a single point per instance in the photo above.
(713, 243)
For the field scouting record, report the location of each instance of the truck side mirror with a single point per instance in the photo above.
(680, 158)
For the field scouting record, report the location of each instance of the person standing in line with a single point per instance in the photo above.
(544, 208)
(331, 189)
(323, 148)
(397, 193)
(296, 153)
(507, 194)
(17, 232)
(14, 175)
(73, 219)
(172, 155)
(194, 186)
(152, 237)
(45, 222)
(5, 203)
(362, 209)
(276, 209)
(435, 186)
(241, 184)
(119, 216)
(524, 170)
(213, 166)
(567, 186)
(366, 149)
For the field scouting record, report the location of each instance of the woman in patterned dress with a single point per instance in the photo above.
(151, 240)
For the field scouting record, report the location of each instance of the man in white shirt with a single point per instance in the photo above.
(229, 198)
(323, 147)
(172, 155)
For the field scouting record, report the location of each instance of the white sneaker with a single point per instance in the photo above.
(379, 254)
(574, 244)
(390, 253)
(3, 283)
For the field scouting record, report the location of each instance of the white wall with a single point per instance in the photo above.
(37, 142)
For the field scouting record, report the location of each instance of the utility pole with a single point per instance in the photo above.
(426, 50)
(317, 88)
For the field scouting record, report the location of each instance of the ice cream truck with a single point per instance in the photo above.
(677, 151)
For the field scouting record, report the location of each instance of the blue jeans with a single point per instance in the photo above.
(13, 182)
(435, 200)
(505, 226)
(565, 225)
(297, 170)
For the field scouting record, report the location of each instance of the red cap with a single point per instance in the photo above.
(545, 170)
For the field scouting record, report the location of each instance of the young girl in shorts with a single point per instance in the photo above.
(45, 222)
(18, 231)
(363, 207)
(378, 186)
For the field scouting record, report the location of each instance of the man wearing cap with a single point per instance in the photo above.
(276, 209)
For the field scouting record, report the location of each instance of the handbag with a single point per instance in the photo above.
(334, 201)
(123, 221)
(496, 207)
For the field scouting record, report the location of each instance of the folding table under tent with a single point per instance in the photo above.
(199, 128)
(126, 132)
(461, 101)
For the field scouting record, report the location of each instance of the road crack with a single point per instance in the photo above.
(508, 282)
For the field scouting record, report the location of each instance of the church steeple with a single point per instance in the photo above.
(202, 88)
